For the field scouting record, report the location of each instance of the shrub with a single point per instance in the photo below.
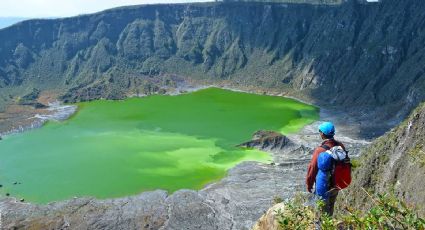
(387, 212)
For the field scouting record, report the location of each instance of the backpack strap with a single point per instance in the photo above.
(326, 147)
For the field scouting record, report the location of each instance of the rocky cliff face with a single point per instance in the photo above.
(352, 55)
(394, 163)
(357, 56)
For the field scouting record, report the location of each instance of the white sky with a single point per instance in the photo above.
(64, 8)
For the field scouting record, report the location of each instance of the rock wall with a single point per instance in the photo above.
(268, 221)
(351, 55)
(394, 163)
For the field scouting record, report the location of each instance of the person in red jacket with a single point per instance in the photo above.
(327, 133)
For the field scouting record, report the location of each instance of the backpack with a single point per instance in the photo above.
(341, 172)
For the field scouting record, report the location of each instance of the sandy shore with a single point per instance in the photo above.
(25, 118)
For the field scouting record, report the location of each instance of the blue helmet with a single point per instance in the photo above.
(327, 128)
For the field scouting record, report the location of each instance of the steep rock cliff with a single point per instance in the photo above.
(350, 55)
(394, 163)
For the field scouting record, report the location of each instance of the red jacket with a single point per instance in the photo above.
(312, 167)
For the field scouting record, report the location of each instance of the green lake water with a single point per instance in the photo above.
(118, 148)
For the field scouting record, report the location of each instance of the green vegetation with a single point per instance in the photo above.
(418, 154)
(277, 200)
(310, 51)
(393, 162)
(387, 212)
(118, 148)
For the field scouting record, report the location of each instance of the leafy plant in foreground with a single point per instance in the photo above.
(387, 212)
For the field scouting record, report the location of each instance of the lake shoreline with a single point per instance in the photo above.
(243, 194)
(250, 186)
(55, 110)
(238, 115)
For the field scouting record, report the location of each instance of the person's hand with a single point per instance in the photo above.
(309, 190)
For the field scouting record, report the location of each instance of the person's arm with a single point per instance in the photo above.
(312, 170)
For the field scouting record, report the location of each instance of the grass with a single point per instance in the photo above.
(387, 212)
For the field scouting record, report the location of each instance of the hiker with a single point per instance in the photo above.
(329, 169)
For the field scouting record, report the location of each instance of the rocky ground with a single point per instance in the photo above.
(391, 165)
(18, 116)
(235, 202)
(334, 58)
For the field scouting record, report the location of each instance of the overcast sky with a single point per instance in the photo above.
(64, 8)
